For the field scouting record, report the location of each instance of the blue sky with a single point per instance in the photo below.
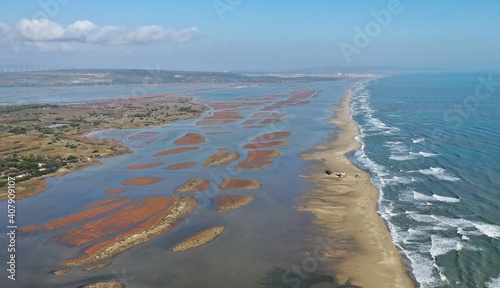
(244, 35)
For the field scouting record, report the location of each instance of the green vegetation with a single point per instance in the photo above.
(27, 167)
(16, 108)
(188, 109)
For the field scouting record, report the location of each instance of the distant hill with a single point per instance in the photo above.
(124, 77)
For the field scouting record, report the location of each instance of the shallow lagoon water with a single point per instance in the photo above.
(262, 240)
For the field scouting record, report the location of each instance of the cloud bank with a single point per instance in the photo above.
(44, 32)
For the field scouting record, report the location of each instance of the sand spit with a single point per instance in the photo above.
(182, 165)
(226, 203)
(345, 210)
(259, 159)
(112, 223)
(272, 136)
(26, 189)
(222, 158)
(180, 208)
(190, 139)
(176, 151)
(113, 191)
(237, 184)
(199, 239)
(194, 185)
(145, 165)
(112, 284)
(137, 181)
(59, 272)
(76, 218)
(260, 145)
(97, 266)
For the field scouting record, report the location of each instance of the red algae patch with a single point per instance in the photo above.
(259, 159)
(113, 191)
(254, 127)
(250, 121)
(236, 184)
(199, 239)
(222, 158)
(103, 202)
(143, 135)
(218, 133)
(260, 145)
(73, 219)
(176, 151)
(272, 136)
(145, 165)
(182, 165)
(136, 181)
(112, 223)
(97, 266)
(226, 203)
(271, 120)
(190, 139)
(59, 272)
(164, 221)
(233, 115)
(194, 185)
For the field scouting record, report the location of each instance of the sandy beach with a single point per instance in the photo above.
(344, 210)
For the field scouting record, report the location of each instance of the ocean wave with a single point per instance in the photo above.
(493, 283)
(427, 155)
(439, 173)
(418, 140)
(434, 197)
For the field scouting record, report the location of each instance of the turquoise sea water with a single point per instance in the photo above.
(432, 144)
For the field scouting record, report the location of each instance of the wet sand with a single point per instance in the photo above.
(190, 139)
(145, 165)
(260, 145)
(176, 151)
(345, 210)
(237, 184)
(194, 185)
(259, 159)
(221, 159)
(182, 165)
(226, 203)
(272, 136)
(136, 181)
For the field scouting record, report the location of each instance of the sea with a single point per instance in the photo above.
(431, 142)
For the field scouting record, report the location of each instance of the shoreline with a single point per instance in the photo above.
(344, 211)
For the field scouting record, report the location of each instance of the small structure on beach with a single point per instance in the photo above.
(338, 174)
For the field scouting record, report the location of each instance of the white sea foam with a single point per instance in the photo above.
(446, 199)
(418, 140)
(427, 155)
(490, 230)
(439, 173)
(493, 283)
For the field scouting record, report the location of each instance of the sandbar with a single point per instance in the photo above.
(259, 159)
(344, 211)
(190, 139)
(181, 165)
(176, 151)
(136, 181)
(145, 165)
(226, 203)
(222, 158)
(194, 185)
(199, 239)
(111, 284)
(180, 208)
(236, 184)
(97, 266)
(272, 136)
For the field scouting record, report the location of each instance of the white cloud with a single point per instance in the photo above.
(43, 33)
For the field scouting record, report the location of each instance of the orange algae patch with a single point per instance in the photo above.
(140, 181)
(218, 133)
(180, 208)
(143, 135)
(259, 159)
(199, 239)
(107, 225)
(260, 145)
(236, 184)
(190, 139)
(271, 120)
(233, 115)
(176, 151)
(222, 158)
(75, 218)
(254, 127)
(272, 136)
(113, 191)
(267, 115)
(145, 165)
(110, 284)
(226, 203)
(182, 165)
(103, 202)
(194, 185)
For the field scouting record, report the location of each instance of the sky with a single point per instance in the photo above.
(249, 35)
